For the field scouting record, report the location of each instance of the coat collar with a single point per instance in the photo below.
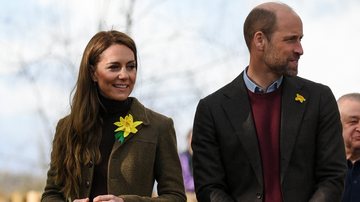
(292, 112)
(242, 121)
(139, 112)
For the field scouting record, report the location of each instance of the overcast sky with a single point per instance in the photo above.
(187, 49)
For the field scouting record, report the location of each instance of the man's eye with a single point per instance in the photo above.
(291, 40)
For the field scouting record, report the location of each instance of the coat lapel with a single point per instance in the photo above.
(239, 113)
(292, 112)
(137, 110)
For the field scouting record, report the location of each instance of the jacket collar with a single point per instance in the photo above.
(238, 109)
(292, 115)
(139, 112)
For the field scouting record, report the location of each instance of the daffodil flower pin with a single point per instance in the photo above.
(299, 98)
(125, 127)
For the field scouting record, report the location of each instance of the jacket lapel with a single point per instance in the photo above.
(239, 113)
(292, 112)
(137, 110)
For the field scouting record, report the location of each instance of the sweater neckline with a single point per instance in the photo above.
(110, 106)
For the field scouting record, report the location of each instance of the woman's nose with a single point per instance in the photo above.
(122, 73)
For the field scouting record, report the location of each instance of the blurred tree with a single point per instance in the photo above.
(177, 71)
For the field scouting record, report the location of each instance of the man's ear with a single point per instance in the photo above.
(259, 40)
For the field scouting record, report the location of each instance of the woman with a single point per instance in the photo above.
(110, 147)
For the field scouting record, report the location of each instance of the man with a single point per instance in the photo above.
(269, 135)
(349, 107)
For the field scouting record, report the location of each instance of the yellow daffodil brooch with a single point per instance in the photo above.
(299, 98)
(125, 127)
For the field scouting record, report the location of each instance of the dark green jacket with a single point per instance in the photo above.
(146, 156)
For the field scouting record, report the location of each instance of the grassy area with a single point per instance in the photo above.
(20, 183)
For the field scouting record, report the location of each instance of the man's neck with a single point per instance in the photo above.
(262, 78)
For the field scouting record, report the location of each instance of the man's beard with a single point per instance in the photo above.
(283, 69)
(278, 64)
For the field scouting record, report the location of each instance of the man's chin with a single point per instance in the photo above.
(291, 72)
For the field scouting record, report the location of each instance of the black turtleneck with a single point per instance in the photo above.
(110, 112)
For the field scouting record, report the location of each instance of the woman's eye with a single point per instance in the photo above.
(113, 67)
(131, 66)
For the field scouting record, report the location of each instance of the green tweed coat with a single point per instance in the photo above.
(146, 156)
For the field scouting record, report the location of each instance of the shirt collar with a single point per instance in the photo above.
(351, 164)
(257, 89)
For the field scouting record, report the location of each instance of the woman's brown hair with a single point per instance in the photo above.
(75, 143)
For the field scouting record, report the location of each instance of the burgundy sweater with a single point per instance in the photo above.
(266, 109)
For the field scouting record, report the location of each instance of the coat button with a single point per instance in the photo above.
(258, 195)
(90, 164)
(87, 184)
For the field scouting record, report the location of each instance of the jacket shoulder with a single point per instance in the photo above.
(146, 114)
(231, 88)
(302, 82)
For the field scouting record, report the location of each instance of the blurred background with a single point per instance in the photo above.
(187, 49)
